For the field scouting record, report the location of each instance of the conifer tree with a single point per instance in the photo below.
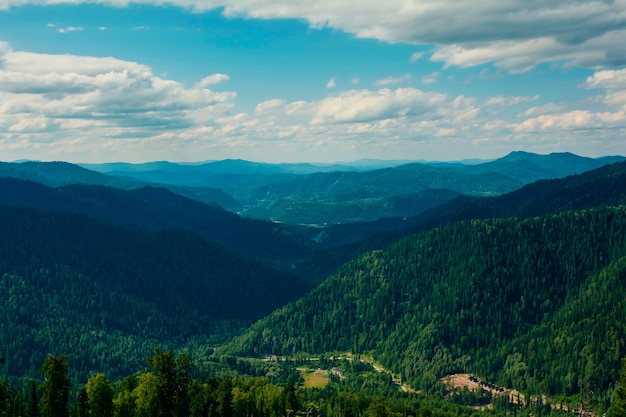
(56, 387)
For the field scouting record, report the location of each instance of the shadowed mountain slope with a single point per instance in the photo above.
(152, 208)
(111, 294)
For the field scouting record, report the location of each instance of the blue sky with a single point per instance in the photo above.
(322, 81)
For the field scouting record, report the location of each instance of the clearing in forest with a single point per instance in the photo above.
(315, 379)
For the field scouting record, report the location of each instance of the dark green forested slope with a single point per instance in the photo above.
(152, 208)
(602, 186)
(108, 294)
(470, 296)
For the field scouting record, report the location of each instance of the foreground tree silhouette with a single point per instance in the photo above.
(56, 387)
(170, 384)
(33, 401)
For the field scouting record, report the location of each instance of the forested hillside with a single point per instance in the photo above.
(151, 208)
(110, 294)
(472, 296)
(602, 186)
(345, 197)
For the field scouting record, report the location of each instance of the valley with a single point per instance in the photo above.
(336, 290)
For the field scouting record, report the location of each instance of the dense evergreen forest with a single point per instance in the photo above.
(535, 304)
(110, 294)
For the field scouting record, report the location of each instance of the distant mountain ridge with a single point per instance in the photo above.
(553, 165)
(56, 174)
(529, 167)
(322, 194)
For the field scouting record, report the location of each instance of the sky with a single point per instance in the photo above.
(310, 81)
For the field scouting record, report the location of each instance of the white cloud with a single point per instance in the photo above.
(614, 84)
(366, 105)
(508, 101)
(70, 29)
(331, 83)
(99, 98)
(392, 80)
(34, 124)
(607, 79)
(576, 119)
(548, 108)
(269, 105)
(522, 55)
(416, 56)
(213, 79)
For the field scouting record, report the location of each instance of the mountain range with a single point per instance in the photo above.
(518, 279)
(314, 194)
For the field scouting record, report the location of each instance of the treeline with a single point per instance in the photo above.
(171, 387)
(534, 304)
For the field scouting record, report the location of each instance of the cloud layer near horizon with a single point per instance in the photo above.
(84, 106)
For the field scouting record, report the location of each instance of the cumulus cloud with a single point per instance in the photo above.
(392, 80)
(553, 117)
(607, 79)
(213, 79)
(367, 105)
(614, 84)
(513, 34)
(269, 105)
(331, 83)
(574, 120)
(41, 94)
